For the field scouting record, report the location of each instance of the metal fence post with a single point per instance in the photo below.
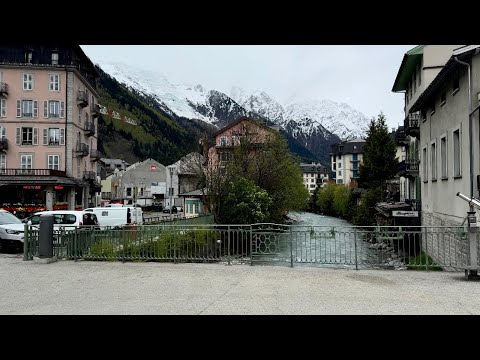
(75, 242)
(355, 243)
(251, 245)
(426, 249)
(228, 244)
(26, 239)
(174, 247)
(291, 246)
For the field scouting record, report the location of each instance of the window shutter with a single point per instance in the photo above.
(18, 136)
(45, 136)
(45, 109)
(3, 132)
(62, 109)
(62, 136)
(59, 83)
(3, 161)
(33, 82)
(35, 108)
(19, 108)
(35, 136)
(3, 106)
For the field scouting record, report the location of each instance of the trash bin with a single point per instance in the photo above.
(45, 236)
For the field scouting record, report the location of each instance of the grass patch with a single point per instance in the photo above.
(419, 262)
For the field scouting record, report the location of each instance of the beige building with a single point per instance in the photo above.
(419, 67)
(315, 175)
(48, 127)
(448, 164)
(346, 158)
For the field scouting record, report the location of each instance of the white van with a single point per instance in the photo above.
(63, 219)
(117, 216)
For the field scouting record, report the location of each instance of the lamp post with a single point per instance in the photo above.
(170, 190)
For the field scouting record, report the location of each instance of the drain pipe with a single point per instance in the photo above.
(470, 135)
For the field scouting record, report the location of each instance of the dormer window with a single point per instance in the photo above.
(28, 56)
(54, 58)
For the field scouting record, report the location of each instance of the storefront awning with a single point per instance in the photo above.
(37, 180)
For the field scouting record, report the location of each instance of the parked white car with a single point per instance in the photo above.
(11, 230)
(116, 216)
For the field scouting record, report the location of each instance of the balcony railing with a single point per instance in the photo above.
(94, 154)
(412, 124)
(3, 144)
(401, 138)
(415, 204)
(95, 110)
(89, 128)
(82, 98)
(89, 175)
(3, 89)
(82, 149)
(409, 168)
(32, 172)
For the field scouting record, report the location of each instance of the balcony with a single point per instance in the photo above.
(409, 168)
(401, 138)
(82, 99)
(82, 149)
(412, 125)
(3, 89)
(90, 175)
(415, 204)
(3, 144)
(95, 110)
(89, 128)
(94, 155)
(33, 172)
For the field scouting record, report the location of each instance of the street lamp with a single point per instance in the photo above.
(170, 190)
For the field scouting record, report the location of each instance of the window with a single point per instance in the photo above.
(312, 180)
(355, 156)
(27, 108)
(129, 191)
(3, 107)
(339, 172)
(443, 155)
(457, 168)
(54, 82)
(78, 168)
(53, 109)
(51, 136)
(456, 85)
(28, 57)
(355, 173)
(54, 162)
(27, 81)
(433, 164)
(339, 165)
(3, 133)
(27, 136)
(340, 157)
(54, 58)
(223, 141)
(424, 162)
(26, 162)
(3, 163)
(443, 98)
(339, 181)
(312, 186)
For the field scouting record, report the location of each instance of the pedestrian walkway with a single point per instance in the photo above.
(85, 287)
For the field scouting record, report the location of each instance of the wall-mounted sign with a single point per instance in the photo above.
(32, 187)
(58, 187)
(153, 168)
(404, 213)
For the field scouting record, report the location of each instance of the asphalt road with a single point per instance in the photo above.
(85, 287)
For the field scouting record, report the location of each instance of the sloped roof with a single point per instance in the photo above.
(409, 64)
(243, 118)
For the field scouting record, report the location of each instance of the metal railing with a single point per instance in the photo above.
(95, 110)
(3, 88)
(34, 172)
(95, 154)
(427, 248)
(89, 128)
(82, 98)
(82, 149)
(3, 144)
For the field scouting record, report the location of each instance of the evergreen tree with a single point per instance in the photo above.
(379, 163)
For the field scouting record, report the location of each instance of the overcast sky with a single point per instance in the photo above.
(359, 75)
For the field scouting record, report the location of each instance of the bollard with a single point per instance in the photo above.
(45, 237)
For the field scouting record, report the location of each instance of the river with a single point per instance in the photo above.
(321, 240)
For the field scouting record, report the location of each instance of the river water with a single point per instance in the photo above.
(316, 240)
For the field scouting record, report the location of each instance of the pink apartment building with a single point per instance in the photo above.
(48, 128)
(229, 137)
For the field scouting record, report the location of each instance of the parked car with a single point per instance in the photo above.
(166, 210)
(11, 230)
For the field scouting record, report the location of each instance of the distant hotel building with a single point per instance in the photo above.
(314, 176)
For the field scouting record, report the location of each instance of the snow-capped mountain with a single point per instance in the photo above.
(313, 123)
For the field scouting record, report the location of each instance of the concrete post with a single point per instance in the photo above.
(49, 198)
(71, 198)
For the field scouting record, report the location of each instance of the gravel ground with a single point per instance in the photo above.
(85, 287)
